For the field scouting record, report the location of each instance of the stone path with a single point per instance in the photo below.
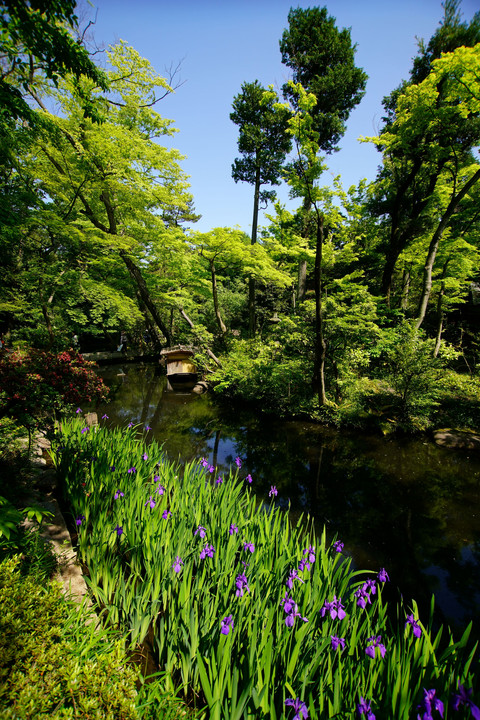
(42, 483)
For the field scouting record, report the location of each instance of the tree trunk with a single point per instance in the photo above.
(220, 323)
(438, 338)
(136, 275)
(433, 247)
(405, 289)
(251, 281)
(320, 345)
(302, 280)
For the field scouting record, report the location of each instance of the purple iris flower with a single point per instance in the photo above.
(118, 494)
(464, 697)
(363, 593)
(207, 551)
(238, 462)
(227, 625)
(376, 641)
(165, 514)
(273, 491)
(363, 708)
(145, 456)
(383, 576)
(78, 410)
(119, 530)
(105, 417)
(241, 583)
(338, 546)
(130, 424)
(335, 608)
(249, 546)
(211, 469)
(132, 470)
(293, 575)
(308, 558)
(337, 642)
(200, 531)
(84, 430)
(177, 565)
(204, 462)
(299, 707)
(219, 480)
(248, 479)
(147, 428)
(112, 468)
(79, 519)
(417, 630)
(150, 502)
(160, 490)
(428, 705)
(291, 609)
(233, 529)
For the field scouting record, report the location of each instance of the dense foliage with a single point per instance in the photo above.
(97, 219)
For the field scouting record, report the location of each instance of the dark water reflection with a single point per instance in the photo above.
(403, 504)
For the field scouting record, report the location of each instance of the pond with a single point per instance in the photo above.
(400, 503)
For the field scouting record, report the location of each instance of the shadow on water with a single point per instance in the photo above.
(403, 504)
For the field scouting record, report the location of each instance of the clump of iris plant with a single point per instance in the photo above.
(299, 707)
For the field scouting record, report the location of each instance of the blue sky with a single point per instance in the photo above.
(222, 44)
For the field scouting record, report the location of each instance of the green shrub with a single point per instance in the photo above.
(53, 664)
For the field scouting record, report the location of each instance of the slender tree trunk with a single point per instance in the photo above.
(438, 338)
(216, 307)
(433, 247)
(405, 289)
(320, 345)
(251, 281)
(302, 265)
(136, 275)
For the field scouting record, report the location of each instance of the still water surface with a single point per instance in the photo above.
(403, 504)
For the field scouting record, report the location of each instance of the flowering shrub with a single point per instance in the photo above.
(250, 614)
(36, 384)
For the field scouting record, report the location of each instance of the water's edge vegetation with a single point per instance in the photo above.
(248, 615)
